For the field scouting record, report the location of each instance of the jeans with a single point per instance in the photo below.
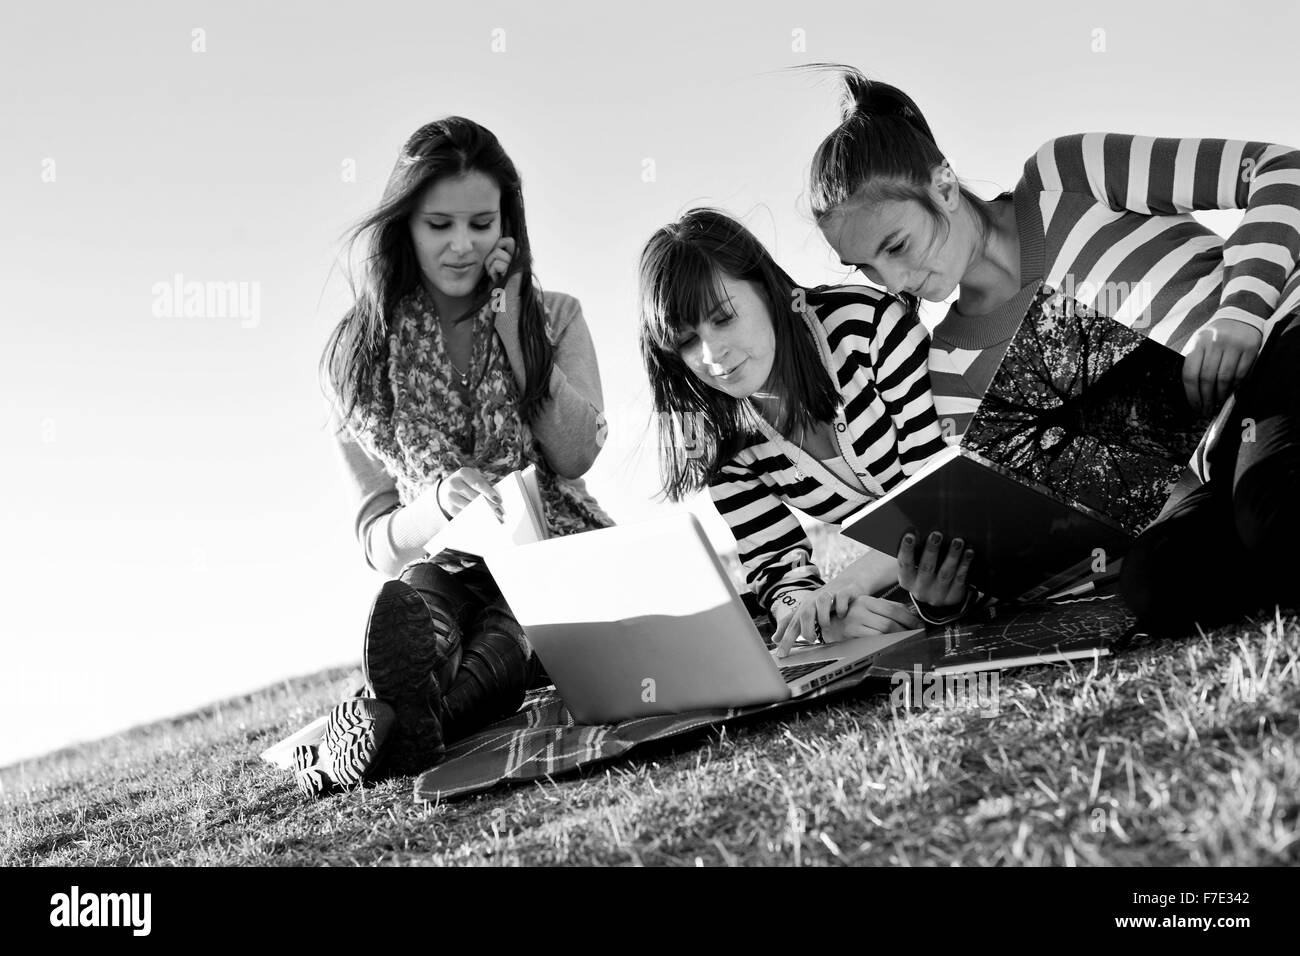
(1232, 546)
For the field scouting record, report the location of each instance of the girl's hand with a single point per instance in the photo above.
(498, 260)
(464, 485)
(1217, 358)
(859, 615)
(928, 581)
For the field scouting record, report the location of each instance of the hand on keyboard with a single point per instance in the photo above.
(837, 617)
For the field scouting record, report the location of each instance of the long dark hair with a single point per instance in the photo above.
(883, 149)
(680, 269)
(357, 350)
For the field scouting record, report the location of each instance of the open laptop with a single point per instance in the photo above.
(641, 619)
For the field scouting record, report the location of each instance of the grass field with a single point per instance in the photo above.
(1171, 753)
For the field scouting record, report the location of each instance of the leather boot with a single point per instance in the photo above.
(405, 650)
(495, 671)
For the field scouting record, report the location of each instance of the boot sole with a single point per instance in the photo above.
(401, 653)
(308, 775)
(354, 734)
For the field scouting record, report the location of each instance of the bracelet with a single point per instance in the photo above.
(437, 501)
(788, 599)
(961, 608)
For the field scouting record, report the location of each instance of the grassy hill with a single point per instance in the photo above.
(1171, 753)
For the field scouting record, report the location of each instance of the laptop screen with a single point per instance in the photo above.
(1089, 408)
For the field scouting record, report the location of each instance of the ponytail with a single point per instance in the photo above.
(871, 99)
(882, 150)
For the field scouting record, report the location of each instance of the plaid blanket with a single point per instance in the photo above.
(542, 740)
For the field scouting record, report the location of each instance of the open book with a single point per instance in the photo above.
(476, 530)
(1074, 450)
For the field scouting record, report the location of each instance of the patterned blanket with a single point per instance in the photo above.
(542, 740)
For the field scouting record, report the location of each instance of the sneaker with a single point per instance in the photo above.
(309, 774)
(356, 730)
(400, 658)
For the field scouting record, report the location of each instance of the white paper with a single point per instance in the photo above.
(476, 530)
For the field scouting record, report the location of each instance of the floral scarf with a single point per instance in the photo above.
(416, 420)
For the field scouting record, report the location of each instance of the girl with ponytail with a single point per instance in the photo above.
(1091, 212)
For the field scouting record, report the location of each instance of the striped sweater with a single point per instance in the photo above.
(1104, 219)
(874, 350)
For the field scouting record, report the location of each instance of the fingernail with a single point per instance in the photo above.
(957, 543)
(935, 536)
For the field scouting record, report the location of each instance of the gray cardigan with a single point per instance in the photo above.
(571, 430)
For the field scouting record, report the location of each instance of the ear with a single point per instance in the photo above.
(944, 182)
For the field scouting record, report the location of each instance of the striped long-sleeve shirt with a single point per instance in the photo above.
(1104, 219)
(874, 349)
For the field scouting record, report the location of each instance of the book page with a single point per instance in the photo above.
(475, 530)
(280, 753)
(529, 479)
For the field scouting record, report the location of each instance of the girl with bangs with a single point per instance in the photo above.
(775, 396)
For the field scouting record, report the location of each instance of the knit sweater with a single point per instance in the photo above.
(1104, 218)
(874, 351)
(571, 430)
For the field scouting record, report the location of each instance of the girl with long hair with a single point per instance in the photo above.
(451, 370)
(775, 396)
(1094, 212)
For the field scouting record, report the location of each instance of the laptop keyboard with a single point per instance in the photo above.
(792, 672)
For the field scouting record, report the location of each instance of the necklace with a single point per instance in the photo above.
(797, 441)
(464, 376)
(798, 461)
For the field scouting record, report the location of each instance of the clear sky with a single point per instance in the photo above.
(175, 524)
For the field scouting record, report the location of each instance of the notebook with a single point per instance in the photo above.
(1000, 637)
(1074, 449)
(475, 530)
